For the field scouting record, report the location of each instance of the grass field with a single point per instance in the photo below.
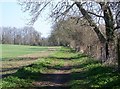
(15, 57)
(14, 51)
(64, 69)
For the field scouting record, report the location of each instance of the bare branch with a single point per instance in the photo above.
(118, 27)
(117, 14)
(38, 13)
(90, 20)
(95, 14)
(68, 9)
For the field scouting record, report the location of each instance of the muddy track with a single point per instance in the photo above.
(57, 80)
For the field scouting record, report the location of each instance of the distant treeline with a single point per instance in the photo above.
(21, 36)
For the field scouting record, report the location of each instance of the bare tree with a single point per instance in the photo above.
(94, 12)
(25, 36)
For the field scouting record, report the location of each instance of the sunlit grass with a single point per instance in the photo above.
(13, 51)
(85, 72)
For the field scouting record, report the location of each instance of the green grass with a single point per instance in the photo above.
(27, 55)
(85, 72)
(13, 51)
(11, 82)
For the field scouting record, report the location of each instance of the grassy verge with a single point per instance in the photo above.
(83, 72)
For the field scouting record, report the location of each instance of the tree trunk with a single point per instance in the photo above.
(118, 52)
(109, 25)
(107, 50)
(101, 37)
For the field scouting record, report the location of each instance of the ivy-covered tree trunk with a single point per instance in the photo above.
(109, 26)
(118, 35)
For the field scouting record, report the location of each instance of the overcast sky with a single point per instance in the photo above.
(12, 15)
